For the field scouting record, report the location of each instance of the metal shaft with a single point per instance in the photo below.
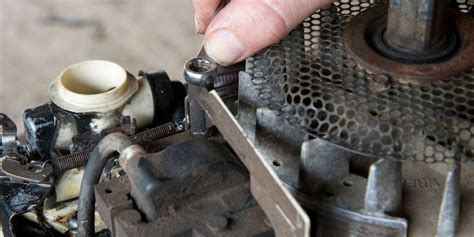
(417, 26)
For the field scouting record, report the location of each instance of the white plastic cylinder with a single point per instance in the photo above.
(93, 86)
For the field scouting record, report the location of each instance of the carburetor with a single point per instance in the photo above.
(359, 123)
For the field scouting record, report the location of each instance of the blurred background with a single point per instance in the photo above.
(39, 38)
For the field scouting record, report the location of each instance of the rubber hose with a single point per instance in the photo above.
(115, 142)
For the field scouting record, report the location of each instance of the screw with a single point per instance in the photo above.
(217, 223)
(72, 223)
(379, 83)
(381, 79)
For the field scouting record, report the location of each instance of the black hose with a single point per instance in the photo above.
(115, 142)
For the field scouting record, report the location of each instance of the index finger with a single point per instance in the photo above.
(204, 12)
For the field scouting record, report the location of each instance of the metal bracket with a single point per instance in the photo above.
(8, 132)
(36, 172)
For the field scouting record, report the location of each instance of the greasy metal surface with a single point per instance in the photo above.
(213, 168)
(359, 204)
(448, 217)
(316, 85)
(29, 172)
(339, 206)
(8, 130)
(321, 177)
(203, 72)
(383, 194)
(461, 60)
(287, 217)
(203, 190)
(16, 198)
(333, 179)
(378, 41)
(196, 116)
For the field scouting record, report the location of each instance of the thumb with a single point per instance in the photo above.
(244, 27)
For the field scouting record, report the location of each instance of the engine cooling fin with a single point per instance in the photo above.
(316, 85)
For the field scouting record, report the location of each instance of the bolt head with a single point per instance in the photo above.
(217, 223)
(379, 83)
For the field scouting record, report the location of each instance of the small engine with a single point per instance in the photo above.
(359, 123)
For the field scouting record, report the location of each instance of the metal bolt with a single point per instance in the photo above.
(130, 216)
(379, 83)
(381, 79)
(72, 223)
(199, 72)
(217, 223)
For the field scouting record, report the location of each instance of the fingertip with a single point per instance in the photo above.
(200, 28)
(204, 12)
(243, 28)
(240, 30)
(224, 47)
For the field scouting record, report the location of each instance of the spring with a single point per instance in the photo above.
(80, 158)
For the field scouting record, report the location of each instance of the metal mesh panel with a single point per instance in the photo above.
(465, 5)
(311, 79)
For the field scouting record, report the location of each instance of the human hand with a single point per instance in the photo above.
(244, 27)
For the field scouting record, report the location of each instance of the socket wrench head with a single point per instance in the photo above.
(200, 71)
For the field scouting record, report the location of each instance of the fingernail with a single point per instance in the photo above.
(197, 25)
(224, 47)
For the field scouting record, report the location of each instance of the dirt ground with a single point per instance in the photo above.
(39, 38)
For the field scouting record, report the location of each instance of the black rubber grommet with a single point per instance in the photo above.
(380, 45)
(163, 96)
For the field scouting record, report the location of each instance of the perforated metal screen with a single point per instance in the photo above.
(315, 84)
